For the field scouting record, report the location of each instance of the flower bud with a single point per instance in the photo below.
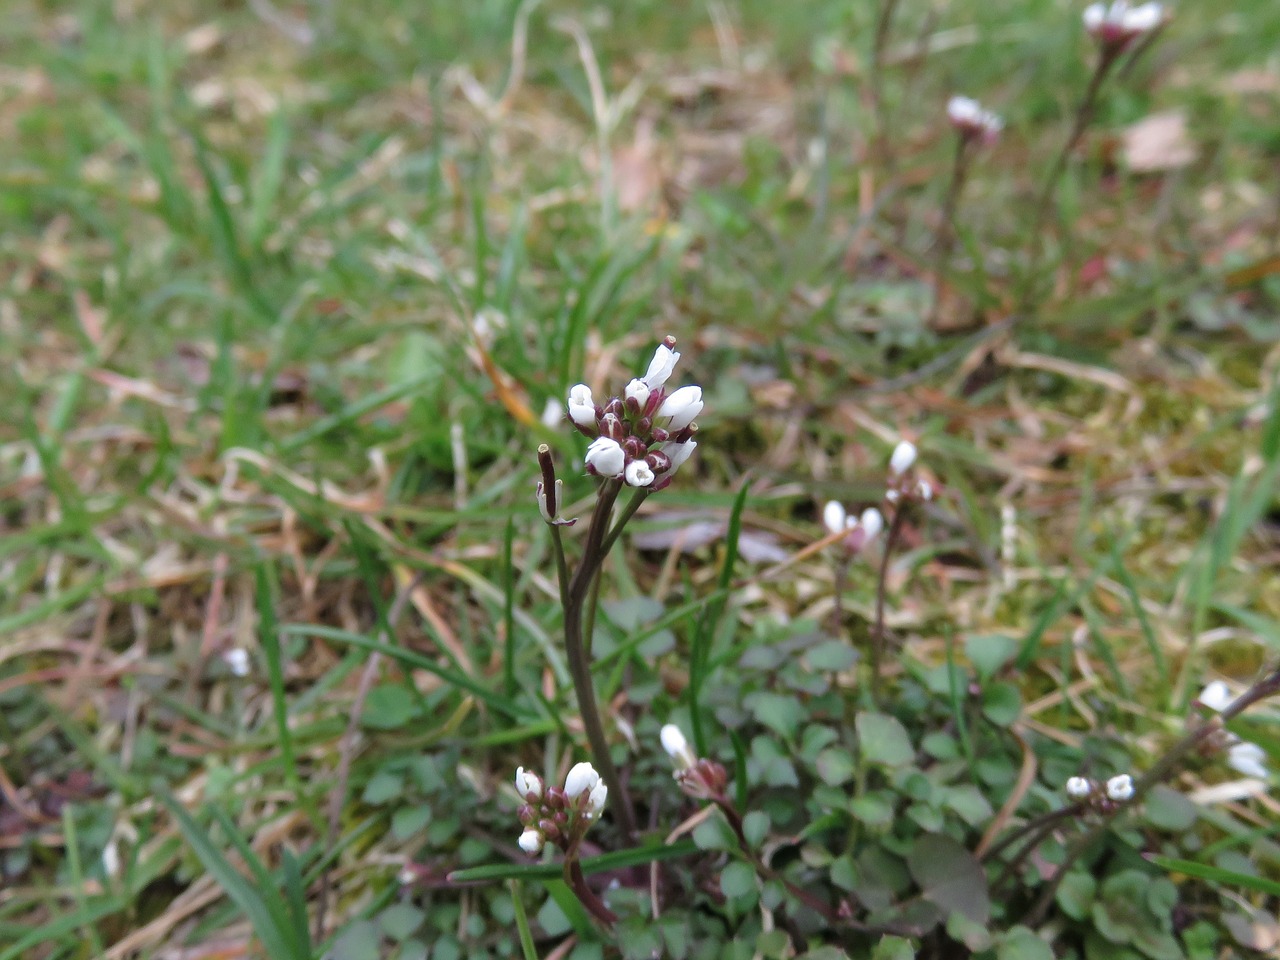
(1078, 788)
(581, 406)
(971, 121)
(658, 461)
(681, 407)
(677, 747)
(904, 456)
(605, 457)
(530, 841)
(528, 783)
(596, 800)
(834, 517)
(662, 364)
(678, 453)
(1117, 24)
(639, 474)
(871, 523)
(1120, 788)
(237, 661)
(637, 392)
(582, 778)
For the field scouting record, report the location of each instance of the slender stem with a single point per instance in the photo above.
(946, 232)
(579, 661)
(1032, 825)
(589, 617)
(883, 25)
(1265, 687)
(562, 566)
(1084, 114)
(842, 581)
(577, 882)
(877, 633)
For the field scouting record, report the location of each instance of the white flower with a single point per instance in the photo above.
(963, 109)
(678, 453)
(582, 778)
(528, 782)
(660, 367)
(530, 841)
(582, 408)
(1247, 758)
(1217, 696)
(543, 506)
(605, 456)
(237, 661)
(1120, 788)
(111, 860)
(871, 522)
(682, 406)
(834, 518)
(551, 414)
(1078, 788)
(638, 474)
(924, 490)
(677, 747)
(904, 455)
(1118, 22)
(638, 391)
(596, 800)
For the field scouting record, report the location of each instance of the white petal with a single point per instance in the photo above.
(661, 366)
(1217, 696)
(833, 517)
(1248, 758)
(904, 455)
(582, 778)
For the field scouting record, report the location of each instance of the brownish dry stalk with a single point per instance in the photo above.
(877, 631)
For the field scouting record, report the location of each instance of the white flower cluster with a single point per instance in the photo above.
(901, 484)
(1117, 24)
(1242, 756)
(972, 121)
(644, 435)
(859, 530)
(1118, 789)
(559, 814)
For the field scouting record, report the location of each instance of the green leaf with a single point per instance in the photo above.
(400, 920)
(989, 652)
(359, 941)
(407, 821)
(835, 766)
(883, 740)
(781, 713)
(389, 707)
(893, 948)
(1075, 894)
(831, 655)
(1021, 943)
(1001, 704)
(969, 803)
(874, 809)
(1168, 809)
(950, 876)
(738, 879)
(844, 873)
(755, 827)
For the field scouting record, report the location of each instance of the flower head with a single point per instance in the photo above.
(237, 661)
(871, 523)
(605, 457)
(596, 800)
(1117, 24)
(681, 407)
(1078, 788)
(1217, 696)
(531, 841)
(639, 474)
(1120, 788)
(638, 391)
(904, 456)
(834, 517)
(582, 778)
(972, 121)
(662, 364)
(677, 747)
(528, 782)
(678, 453)
(581, 406)
(1248, 758)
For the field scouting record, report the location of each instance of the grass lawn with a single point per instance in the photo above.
(292, 292)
